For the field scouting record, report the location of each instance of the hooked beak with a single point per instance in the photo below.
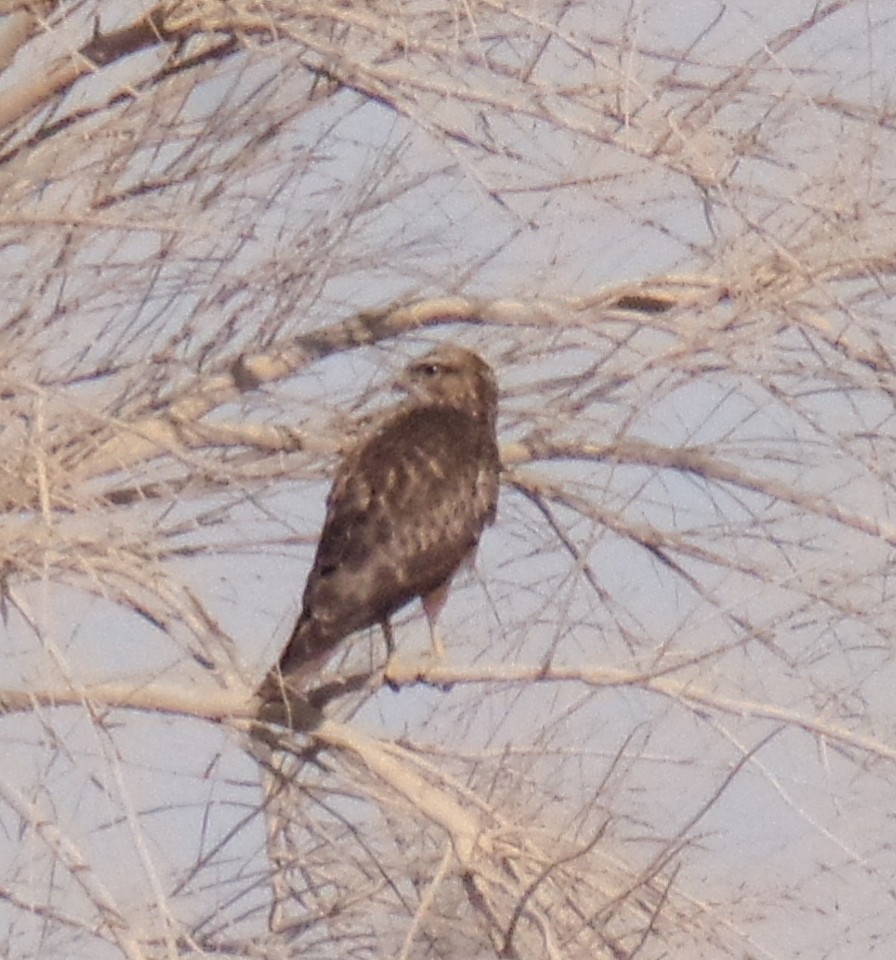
(405, 384)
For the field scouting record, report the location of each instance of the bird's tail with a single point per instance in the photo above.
(301, 660)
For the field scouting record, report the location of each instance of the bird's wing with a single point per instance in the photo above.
(407, 506)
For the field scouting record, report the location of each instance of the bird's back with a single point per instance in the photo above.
(406, 508)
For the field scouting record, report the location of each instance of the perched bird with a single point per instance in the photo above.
(408, 504)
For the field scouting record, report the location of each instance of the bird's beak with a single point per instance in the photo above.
(404, 384)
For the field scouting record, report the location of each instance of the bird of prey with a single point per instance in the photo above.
(408, 504)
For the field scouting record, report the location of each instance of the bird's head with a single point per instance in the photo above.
(453, 377)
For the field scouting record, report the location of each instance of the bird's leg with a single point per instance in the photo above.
(390, 650)
(435, 640)
(432, 604)
(388, 637)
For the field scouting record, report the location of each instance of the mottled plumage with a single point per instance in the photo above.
(407, 506)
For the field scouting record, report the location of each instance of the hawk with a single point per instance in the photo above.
(408, 504)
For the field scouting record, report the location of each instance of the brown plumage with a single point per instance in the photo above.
(406, 509)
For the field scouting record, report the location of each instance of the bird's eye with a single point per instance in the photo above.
(429, 369)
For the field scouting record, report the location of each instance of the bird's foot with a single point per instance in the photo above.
(398, 672)
(395, 672)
